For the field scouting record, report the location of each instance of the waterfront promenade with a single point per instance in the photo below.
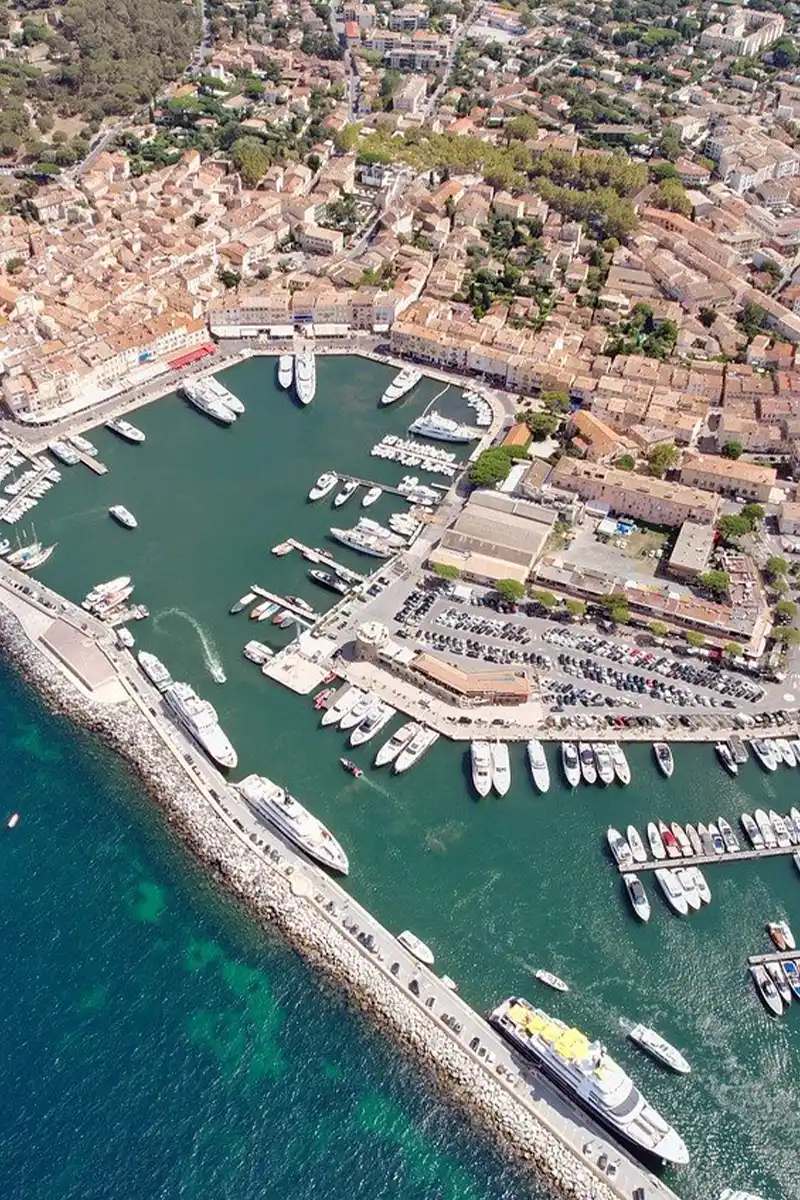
(313, 909)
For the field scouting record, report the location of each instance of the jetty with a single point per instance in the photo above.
(306, 616)
(322, 556)
(705, 860)
(775, 956)
(93, 464)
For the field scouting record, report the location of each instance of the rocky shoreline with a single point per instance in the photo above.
(268, 895)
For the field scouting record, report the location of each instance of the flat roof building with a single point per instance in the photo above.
(642, 497)
(692, 550)
(729, 477)
(496, 536)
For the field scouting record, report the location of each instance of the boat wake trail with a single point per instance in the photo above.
(211, 655)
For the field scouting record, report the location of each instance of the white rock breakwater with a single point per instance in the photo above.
(268, 894)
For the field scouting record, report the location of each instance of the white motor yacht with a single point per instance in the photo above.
(481, 757)
(415, 946)
(619, 847)
(346, 492)
(371, 495)
(348, 699)
(501, 767)
(659, 1048)
(442, 429)
(619, 763)
(636, 844)
(664, 759)
(419, 745)
(401, 385)
(305, 376)
(123, 516)
(637, 896)
(673, 891)
(373, 723)
(285, 371)
(324, 486)
(390, 749)
(200, 719)
(570, 763)
(275, 805)
(537, 760)
(362, 708)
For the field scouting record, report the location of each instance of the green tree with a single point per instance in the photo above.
(670, 144)
(15, 264)
(786, 634)
(229, 278)
(717, 583)
(555, 401)
(626, 462)
(521, 129)
(620, 613)
(785, 612)
(347, 137)
(732, 650)
(546, 599)
(510, 589)
(658, 628)
(775, 565)
(490, 468)
(733, 527)
(784, 53)
(671, 195)
(732, 449)
(662, 458)
(446, 571)
(752, 318)
(576, 608)
(753, 513)
(251, 159)
(542, 425)
(695, 639)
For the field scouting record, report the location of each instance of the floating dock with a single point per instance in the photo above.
(705, 860)
(93, 464)
(778, 956)
(307, 617)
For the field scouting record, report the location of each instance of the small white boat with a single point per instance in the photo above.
(754, 834)
(781, 829)
(619, 847)
(501, 767)
(664, 760)
(781, 934)
(673, 891)
(481, 756)
(620, 763)
(766, 989)
(694, 839)
(242, 603)
(537, 761)
(765, 829)
(603, 762)
(285, 371)
(416, 947)
(685, 878)
(344, 495)
(371, 495)
(570, 763)
(324, 485)
(552, 981)
(12, 821)
(587, 761)
(659, 1048)
(636, 844)
(726, 758)
(731, 1194)
(717, 840)
(123, 516)
(728, 836)
(785, 751)
(701, 884)
(637, 896)
(682, 839)
(656, 843)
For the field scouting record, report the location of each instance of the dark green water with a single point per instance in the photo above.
(496, 887)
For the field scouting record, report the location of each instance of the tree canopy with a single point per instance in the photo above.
(662, 458)
(490, 468)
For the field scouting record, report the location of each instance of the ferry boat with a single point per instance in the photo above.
(481, 758)
(416, 947)
(620, 763)
(765, 754)
(602, 758)
(242, 603)
(419, 745)
(123, 516)
(275, 805)
(305, 376)
(397, 742)
(401, 385)
(570, 763)
(659, 1048)
(200, 719)
(589, 1076)
(664, 760)
(210, 405)
(324, 486)
(363, 542)
(125, 430)
(344, 495)
(636, 844)
(328, 580)
(83, 444)
(637, 896)
(726, 758)
(537, 761)
(155, 670)
(442, 429)
(64, 453)
(285, 371)
(501, 767)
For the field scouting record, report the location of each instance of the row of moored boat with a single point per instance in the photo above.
(771, 753)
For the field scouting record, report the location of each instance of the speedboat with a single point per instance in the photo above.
(351, 767)
(694, 839)
(781, 934)
(664, 759)
(123, 516)
(659, 1048)
(682, 840)
(775, 971)
(570, 763)
(701, 884)
(588, 768)
(726, 758)
(781, 830)
(481, 756)
(344, 495)
(373, 723)
(716, 838)
(705, 838)
(766, 989)
(501, 767)
(673, 891)
(637, 896)
(362, 707)
(686, 879)
(334, 714)
(792, 973)
(416, 947)
(728, 836)
(619, 763)
(619, 847)
(636, 844)
(656, 843)
(753, 832)
(765, 754)
(784, 749)
(397, 742)
(242, 603)
(551, 980)
(670, 841)
(324, 485)
(765, 827)
(285, 371)
(540, 772)
(371, 495)
(125, 430)
(419, 745)
(603, 762)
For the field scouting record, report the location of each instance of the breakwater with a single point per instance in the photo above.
(276, 899)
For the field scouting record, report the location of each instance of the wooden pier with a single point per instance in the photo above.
(705, 860)
(775, 956)
(306, 617)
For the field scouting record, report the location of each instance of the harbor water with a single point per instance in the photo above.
(497, 888)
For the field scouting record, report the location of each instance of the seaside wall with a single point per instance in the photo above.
(267, 893)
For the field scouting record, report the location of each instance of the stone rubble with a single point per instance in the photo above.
(267, 893)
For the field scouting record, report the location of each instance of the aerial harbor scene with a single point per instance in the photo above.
(400, 599)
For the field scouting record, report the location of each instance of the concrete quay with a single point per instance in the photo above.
(72, 660)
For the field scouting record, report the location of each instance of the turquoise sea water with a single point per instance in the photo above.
(497, 888)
